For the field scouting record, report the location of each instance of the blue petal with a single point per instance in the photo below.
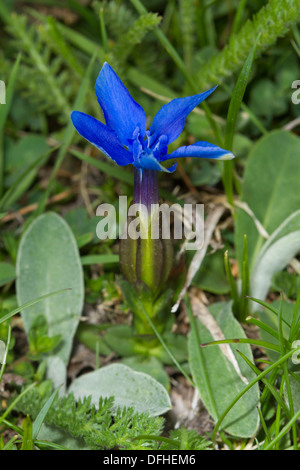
(102, 137)
(170, 119)
(149, 162)
(121, 112)
(200, 150)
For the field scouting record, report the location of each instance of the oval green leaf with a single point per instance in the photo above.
(128, 387)
(218, 380)
(270, 188)
(48, 260)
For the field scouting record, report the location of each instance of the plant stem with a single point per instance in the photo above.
(145, 187)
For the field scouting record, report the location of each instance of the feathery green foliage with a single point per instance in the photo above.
(115, 16)
(186, 439)
(54, 39)
(128, 34)
(100, 428)
(40, 67)
(271, 22)
(134, 35)
(118, 17)
(188, 28)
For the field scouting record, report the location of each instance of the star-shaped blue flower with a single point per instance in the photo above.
(125, 139)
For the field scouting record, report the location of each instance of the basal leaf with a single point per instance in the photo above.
(48, 260)
(7, 273)
(295, 390)
(128, 387)
(270, 188)
(211, 276)
(218, 380)
(272, 260)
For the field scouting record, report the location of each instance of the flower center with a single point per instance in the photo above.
(144, 155)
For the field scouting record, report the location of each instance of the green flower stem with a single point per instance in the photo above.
(164, 345)
(141, 326)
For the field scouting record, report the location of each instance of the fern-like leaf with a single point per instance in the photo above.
(44, 80)
(135, 35)
(118, 17)
(270, 23)
(186, 439)
(102, 427)
(188, 28)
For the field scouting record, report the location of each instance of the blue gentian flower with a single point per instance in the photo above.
(125, 139)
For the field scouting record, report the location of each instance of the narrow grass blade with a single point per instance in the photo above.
(269, 307)
(271, 388)
(232, 283)
(233, 111)
(280, 330)
(4, 12)
(294, 331)
(42, 415)
(103, 30)
(84, 13)
(6, 352)
(285, 378)
(27, 442)
(9, 92)
(11, 190)
(10, 443)
(245, 282)
(257, 342)
(13, 404)
(80, 41)
(29, 304)
(290, 402)
(284, 430)
(173, 444)
(237, 22)
(164, 345)
(263, 326)
(68, 135)
(162, 342)
(253, 382)
(45, 445)
(107, 168)
(4, 113)
(264, 426)
(61, 45)
(13, 426)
